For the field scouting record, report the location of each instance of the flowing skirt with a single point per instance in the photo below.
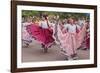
(69, 42)
(42, 35)
(86, 42)
(26, 37)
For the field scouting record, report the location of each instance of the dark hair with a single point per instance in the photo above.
(45, 16)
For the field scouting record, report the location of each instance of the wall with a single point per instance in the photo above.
(5, 36)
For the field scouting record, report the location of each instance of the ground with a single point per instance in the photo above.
(34, 53)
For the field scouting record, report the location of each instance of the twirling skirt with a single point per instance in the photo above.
(69, 42)
(42, 35)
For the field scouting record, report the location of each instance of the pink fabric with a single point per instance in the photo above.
(80, 36)
(25, 35)
(70, 41)
(86, 43)
(40, 34)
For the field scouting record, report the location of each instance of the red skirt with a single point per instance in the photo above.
(45, 36)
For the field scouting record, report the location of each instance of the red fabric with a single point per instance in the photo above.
(40, 34)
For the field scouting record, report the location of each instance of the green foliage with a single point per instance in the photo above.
(62, 15)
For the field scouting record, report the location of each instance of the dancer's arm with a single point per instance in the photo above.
(64, 29)
(78, 27)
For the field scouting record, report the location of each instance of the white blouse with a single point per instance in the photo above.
(43, 24)
(25, 24)
(81, 22)
(71, 28)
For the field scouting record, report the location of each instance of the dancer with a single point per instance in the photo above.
(26, 37)
(86, 42)
(70, 40)
(81, 21)
(42, 32)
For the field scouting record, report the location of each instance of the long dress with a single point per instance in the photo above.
(26, 37)
(41, 33)
(70, 40)
(86, 42)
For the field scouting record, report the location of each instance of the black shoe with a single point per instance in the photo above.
(45, 50)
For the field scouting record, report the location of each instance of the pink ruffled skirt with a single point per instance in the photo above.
(70, 41)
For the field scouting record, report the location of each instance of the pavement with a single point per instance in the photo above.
(34, 53)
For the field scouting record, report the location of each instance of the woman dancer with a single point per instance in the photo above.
(70, 40)
(86, 42)
(26, 37)
(42, 33)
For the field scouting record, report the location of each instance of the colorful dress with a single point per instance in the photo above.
(41, 33)
(86, 42)
(70, 40)
(26, 37)
(88, 39)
